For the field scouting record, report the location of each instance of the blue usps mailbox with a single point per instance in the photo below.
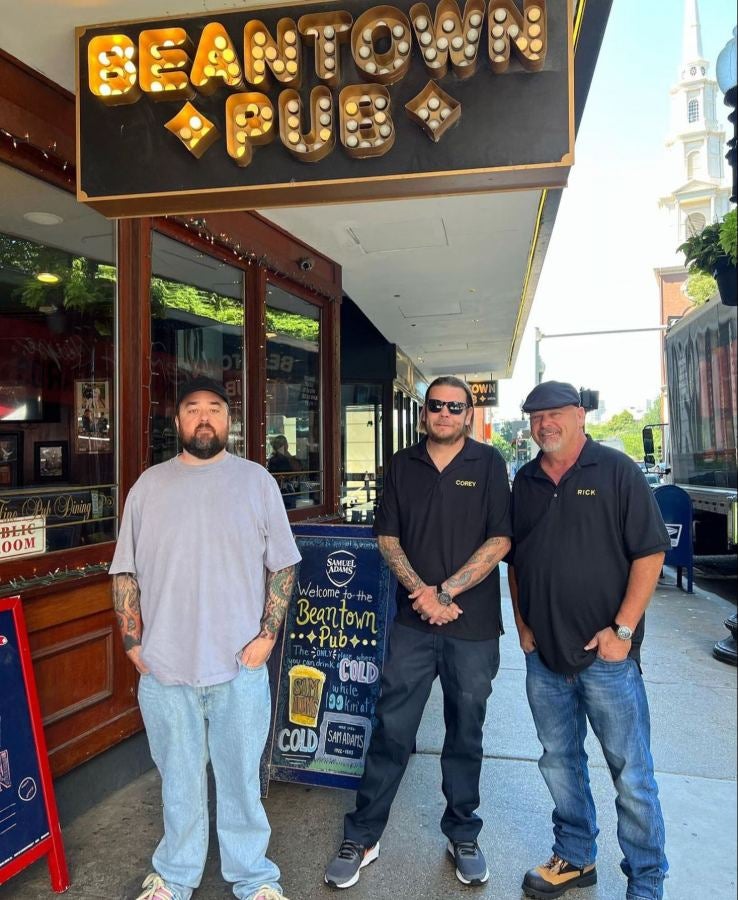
(676, 510)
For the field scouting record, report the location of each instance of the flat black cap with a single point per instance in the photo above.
(202, 383)
(551, 395)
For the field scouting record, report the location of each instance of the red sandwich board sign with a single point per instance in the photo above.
(29, 822)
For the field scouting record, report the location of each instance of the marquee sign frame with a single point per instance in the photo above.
(170, 103)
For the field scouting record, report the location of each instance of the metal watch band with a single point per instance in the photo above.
(444, 598)
(622, 631)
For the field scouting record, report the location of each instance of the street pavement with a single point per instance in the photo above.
(693, 714)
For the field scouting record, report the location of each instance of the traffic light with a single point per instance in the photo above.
(589, 399)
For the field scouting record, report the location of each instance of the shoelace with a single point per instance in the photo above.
(348, 850)
(268, 893)
(466, 848)
(155, 889)
(555, 864)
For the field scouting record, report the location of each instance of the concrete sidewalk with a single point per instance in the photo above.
(693, 711)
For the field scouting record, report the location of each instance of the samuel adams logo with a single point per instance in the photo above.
(340, 567)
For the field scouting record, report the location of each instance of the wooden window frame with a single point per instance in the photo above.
(329, 415)
(268, 255)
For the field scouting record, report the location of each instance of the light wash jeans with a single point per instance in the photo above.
(228, 724)
(612, 696)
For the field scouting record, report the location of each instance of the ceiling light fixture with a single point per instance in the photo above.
(43, 218)
(48, 278)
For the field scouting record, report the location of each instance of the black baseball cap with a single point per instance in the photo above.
(202, 383)
(551, 395)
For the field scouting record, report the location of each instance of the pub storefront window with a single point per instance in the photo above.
(57, 379)
(293, 423)
(361, 434)
(197, 328)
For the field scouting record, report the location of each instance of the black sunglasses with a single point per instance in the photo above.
(455, 407)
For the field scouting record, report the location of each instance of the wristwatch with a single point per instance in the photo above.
(622, 631)
(444, 598)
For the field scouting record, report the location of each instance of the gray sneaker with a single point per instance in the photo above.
(471, 867)
(343, 869)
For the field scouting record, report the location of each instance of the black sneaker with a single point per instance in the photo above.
(556, 877)
(343, 869)
(471, 867)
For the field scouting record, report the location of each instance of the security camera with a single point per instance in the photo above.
(306, 264)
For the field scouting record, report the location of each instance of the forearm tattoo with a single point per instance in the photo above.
(278, 592)
(479, 564)
(399, 564)
(127, 606)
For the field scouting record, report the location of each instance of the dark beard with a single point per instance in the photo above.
(204, 444)
(444, 439)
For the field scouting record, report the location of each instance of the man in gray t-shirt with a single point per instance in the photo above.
(202, 576)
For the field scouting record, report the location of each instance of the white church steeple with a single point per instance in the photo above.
(698, 193)
(691, 40)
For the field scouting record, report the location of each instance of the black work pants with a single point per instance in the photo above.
(466, 669)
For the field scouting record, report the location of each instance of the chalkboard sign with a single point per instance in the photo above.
(29, 824)
(334, 645)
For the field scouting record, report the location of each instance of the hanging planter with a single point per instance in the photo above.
(713, 252)
(726, 276)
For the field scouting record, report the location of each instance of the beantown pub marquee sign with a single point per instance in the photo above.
(324, 103)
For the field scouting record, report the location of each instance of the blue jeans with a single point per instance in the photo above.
(612, 696)
(228, 724)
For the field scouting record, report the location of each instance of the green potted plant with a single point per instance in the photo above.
(713, 252)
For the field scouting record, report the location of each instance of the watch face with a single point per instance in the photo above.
(624, 633)
(444, 598)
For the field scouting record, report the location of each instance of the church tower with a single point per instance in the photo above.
(698, 191)
(695, 146)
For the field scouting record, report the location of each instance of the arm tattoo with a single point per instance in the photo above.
(278, 590)
(127, 606)
(399, 564)
(479, 564)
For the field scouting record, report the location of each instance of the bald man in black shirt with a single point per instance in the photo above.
(588, 546)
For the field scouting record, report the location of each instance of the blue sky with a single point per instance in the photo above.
(608, 237)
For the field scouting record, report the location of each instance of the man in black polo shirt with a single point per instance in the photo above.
(443, 525)
(588, 546)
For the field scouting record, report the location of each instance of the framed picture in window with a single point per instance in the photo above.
(93, 420)
(50, 461)
(11, 459)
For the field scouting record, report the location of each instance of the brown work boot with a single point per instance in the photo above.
(556, 877)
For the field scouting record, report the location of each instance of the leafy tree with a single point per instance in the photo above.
(292, 324)
(88, 286)
(625, 426)
(503, 446)
(199, 302)
(652, 415)
(729, 235)
(700, 287)
(16, 253)
(622, 421)
(507, 432)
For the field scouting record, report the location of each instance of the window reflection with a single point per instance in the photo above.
(197, 328)
(361, 430)
(293, 392)
(57, 372)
